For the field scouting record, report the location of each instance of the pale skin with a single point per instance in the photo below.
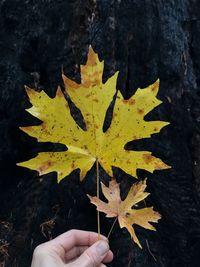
(74, 248)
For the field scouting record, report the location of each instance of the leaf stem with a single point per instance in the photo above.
(112, 228)
(98, 215)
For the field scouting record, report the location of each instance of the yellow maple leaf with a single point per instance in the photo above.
(123, 210)
(93, 97)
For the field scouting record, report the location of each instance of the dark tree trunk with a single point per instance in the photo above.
(142, 39)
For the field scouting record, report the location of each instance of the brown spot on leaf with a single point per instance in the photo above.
(160, 166)
(89, 80)
(45, 166)
(140, 110)
(129, 101)
(73, 165)
(114, 114)
(132, 102)
(42, 168)
(148, 158)
(128, 161)
(49, 163)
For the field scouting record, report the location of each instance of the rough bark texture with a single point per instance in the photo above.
(142, 39)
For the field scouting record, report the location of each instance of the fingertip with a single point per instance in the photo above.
(94, 255)
(109, 257)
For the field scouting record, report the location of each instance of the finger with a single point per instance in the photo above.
(108, 257)
(74, 253)
(74, 238)
(93, 256)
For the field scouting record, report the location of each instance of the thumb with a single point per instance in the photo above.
(94, 255)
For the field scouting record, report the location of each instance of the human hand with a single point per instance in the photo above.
(74, 248)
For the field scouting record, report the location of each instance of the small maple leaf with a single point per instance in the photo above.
(93, 98)
(127, 216)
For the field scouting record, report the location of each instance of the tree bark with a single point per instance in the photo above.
(143, 40)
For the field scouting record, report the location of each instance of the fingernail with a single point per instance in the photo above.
(102, 248)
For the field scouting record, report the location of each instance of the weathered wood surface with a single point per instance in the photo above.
(142, 39)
